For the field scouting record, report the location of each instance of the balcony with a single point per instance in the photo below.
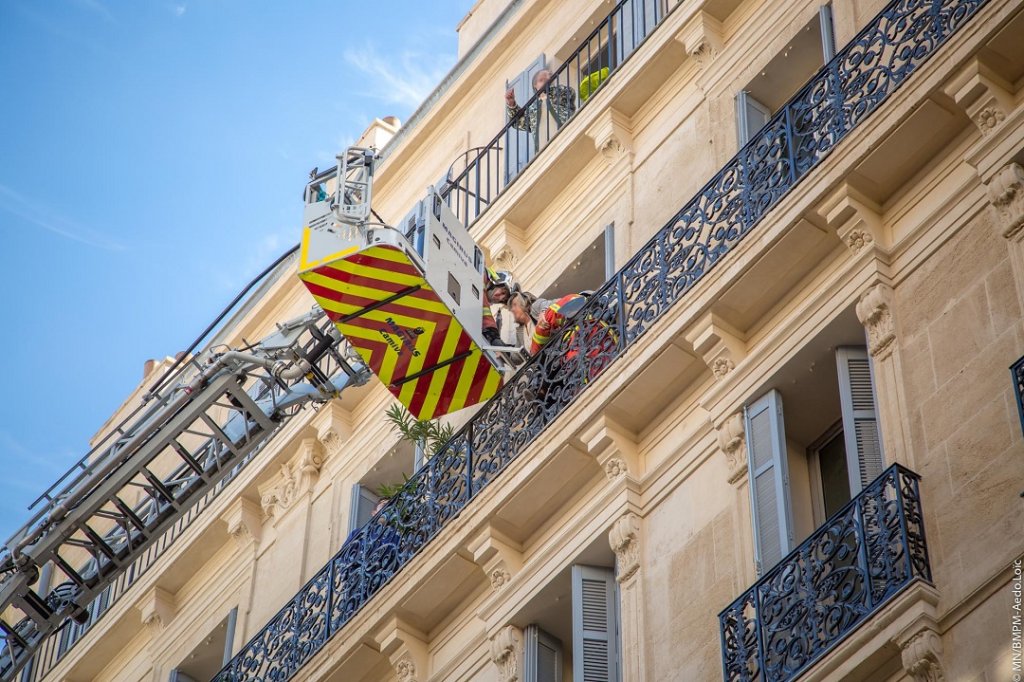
(837, 100)
(846, 571)
(481, 175)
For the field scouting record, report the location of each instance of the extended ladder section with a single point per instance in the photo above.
(203, 424)
(410, 300)
(410, 304)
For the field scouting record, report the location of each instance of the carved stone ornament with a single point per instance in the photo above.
(1005, 193)
(922, 657)
(499, 578)
(612, 149)
(157, 607)
(624, 538)
(405, 670)
(614, 468)
(988, 118)
(874, 310)
(856, 240)
(704, 52)
(722, 366)
(332, 442)
(506, 259)
(296, 479)
(612, 135)
(506, 651)
(244, 521)
(732, 441)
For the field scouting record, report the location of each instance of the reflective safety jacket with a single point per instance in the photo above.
(550, 321)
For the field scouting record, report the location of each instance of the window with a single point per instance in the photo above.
(571, 627)
(751, 116)
(595, 623)
(364, 501)
(633, 22)
(812, 46)
(794, 488)
(769, 480)
(210, 655)
(520, 145)
(591, 268)
(542, 656)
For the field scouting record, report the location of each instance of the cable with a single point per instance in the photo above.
(227, 309)
(223, 313)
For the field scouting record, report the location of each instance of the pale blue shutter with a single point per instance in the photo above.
(751, 116)
(769, 480)
(828, 40)
(864, 456)
(595, 618)
(363, 502)
(178, 676)
(542, 656)
(633, 22)
(520, 144)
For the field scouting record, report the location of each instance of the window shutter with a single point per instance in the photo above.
(751, 116)
(595, 640)
(363, 502)
(542, 656)
(178, 676)
(229, 635)
(769, 480)
(520, 144)
(864, 455)
(633, 22)
(609, 251)
(828, 40)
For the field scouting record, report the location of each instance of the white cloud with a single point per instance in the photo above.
(179, 10)
(37, 214)
(404, 77)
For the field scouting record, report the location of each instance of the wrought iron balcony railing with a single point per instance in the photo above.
(492, 168)
(836, 100)
(864, 555)
(1017, 371)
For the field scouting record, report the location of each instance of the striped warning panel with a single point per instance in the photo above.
(382, 304)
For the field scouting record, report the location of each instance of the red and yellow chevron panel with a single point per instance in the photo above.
(382, 304)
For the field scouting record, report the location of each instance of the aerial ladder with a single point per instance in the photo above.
(410, 299)
(404, 303)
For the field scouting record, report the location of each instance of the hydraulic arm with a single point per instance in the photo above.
(410, 303)
(409, 299)
(205, 422)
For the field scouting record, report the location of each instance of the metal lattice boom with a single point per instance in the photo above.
(149, 471)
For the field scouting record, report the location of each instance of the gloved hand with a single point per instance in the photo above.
(493, 337)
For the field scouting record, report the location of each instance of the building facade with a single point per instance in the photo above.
(781, 442)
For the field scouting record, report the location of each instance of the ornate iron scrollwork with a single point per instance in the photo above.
(866, 553)
(846, 568)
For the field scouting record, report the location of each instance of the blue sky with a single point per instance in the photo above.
(152, 155)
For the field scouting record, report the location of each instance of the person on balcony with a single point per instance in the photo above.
(550, 110)
(549, 318)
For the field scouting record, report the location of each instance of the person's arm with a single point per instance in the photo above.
(546, 326)
(520, 118)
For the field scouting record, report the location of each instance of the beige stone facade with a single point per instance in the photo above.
(906, 241)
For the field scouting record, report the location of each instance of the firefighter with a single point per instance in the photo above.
(546, 316)
(498, 288)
